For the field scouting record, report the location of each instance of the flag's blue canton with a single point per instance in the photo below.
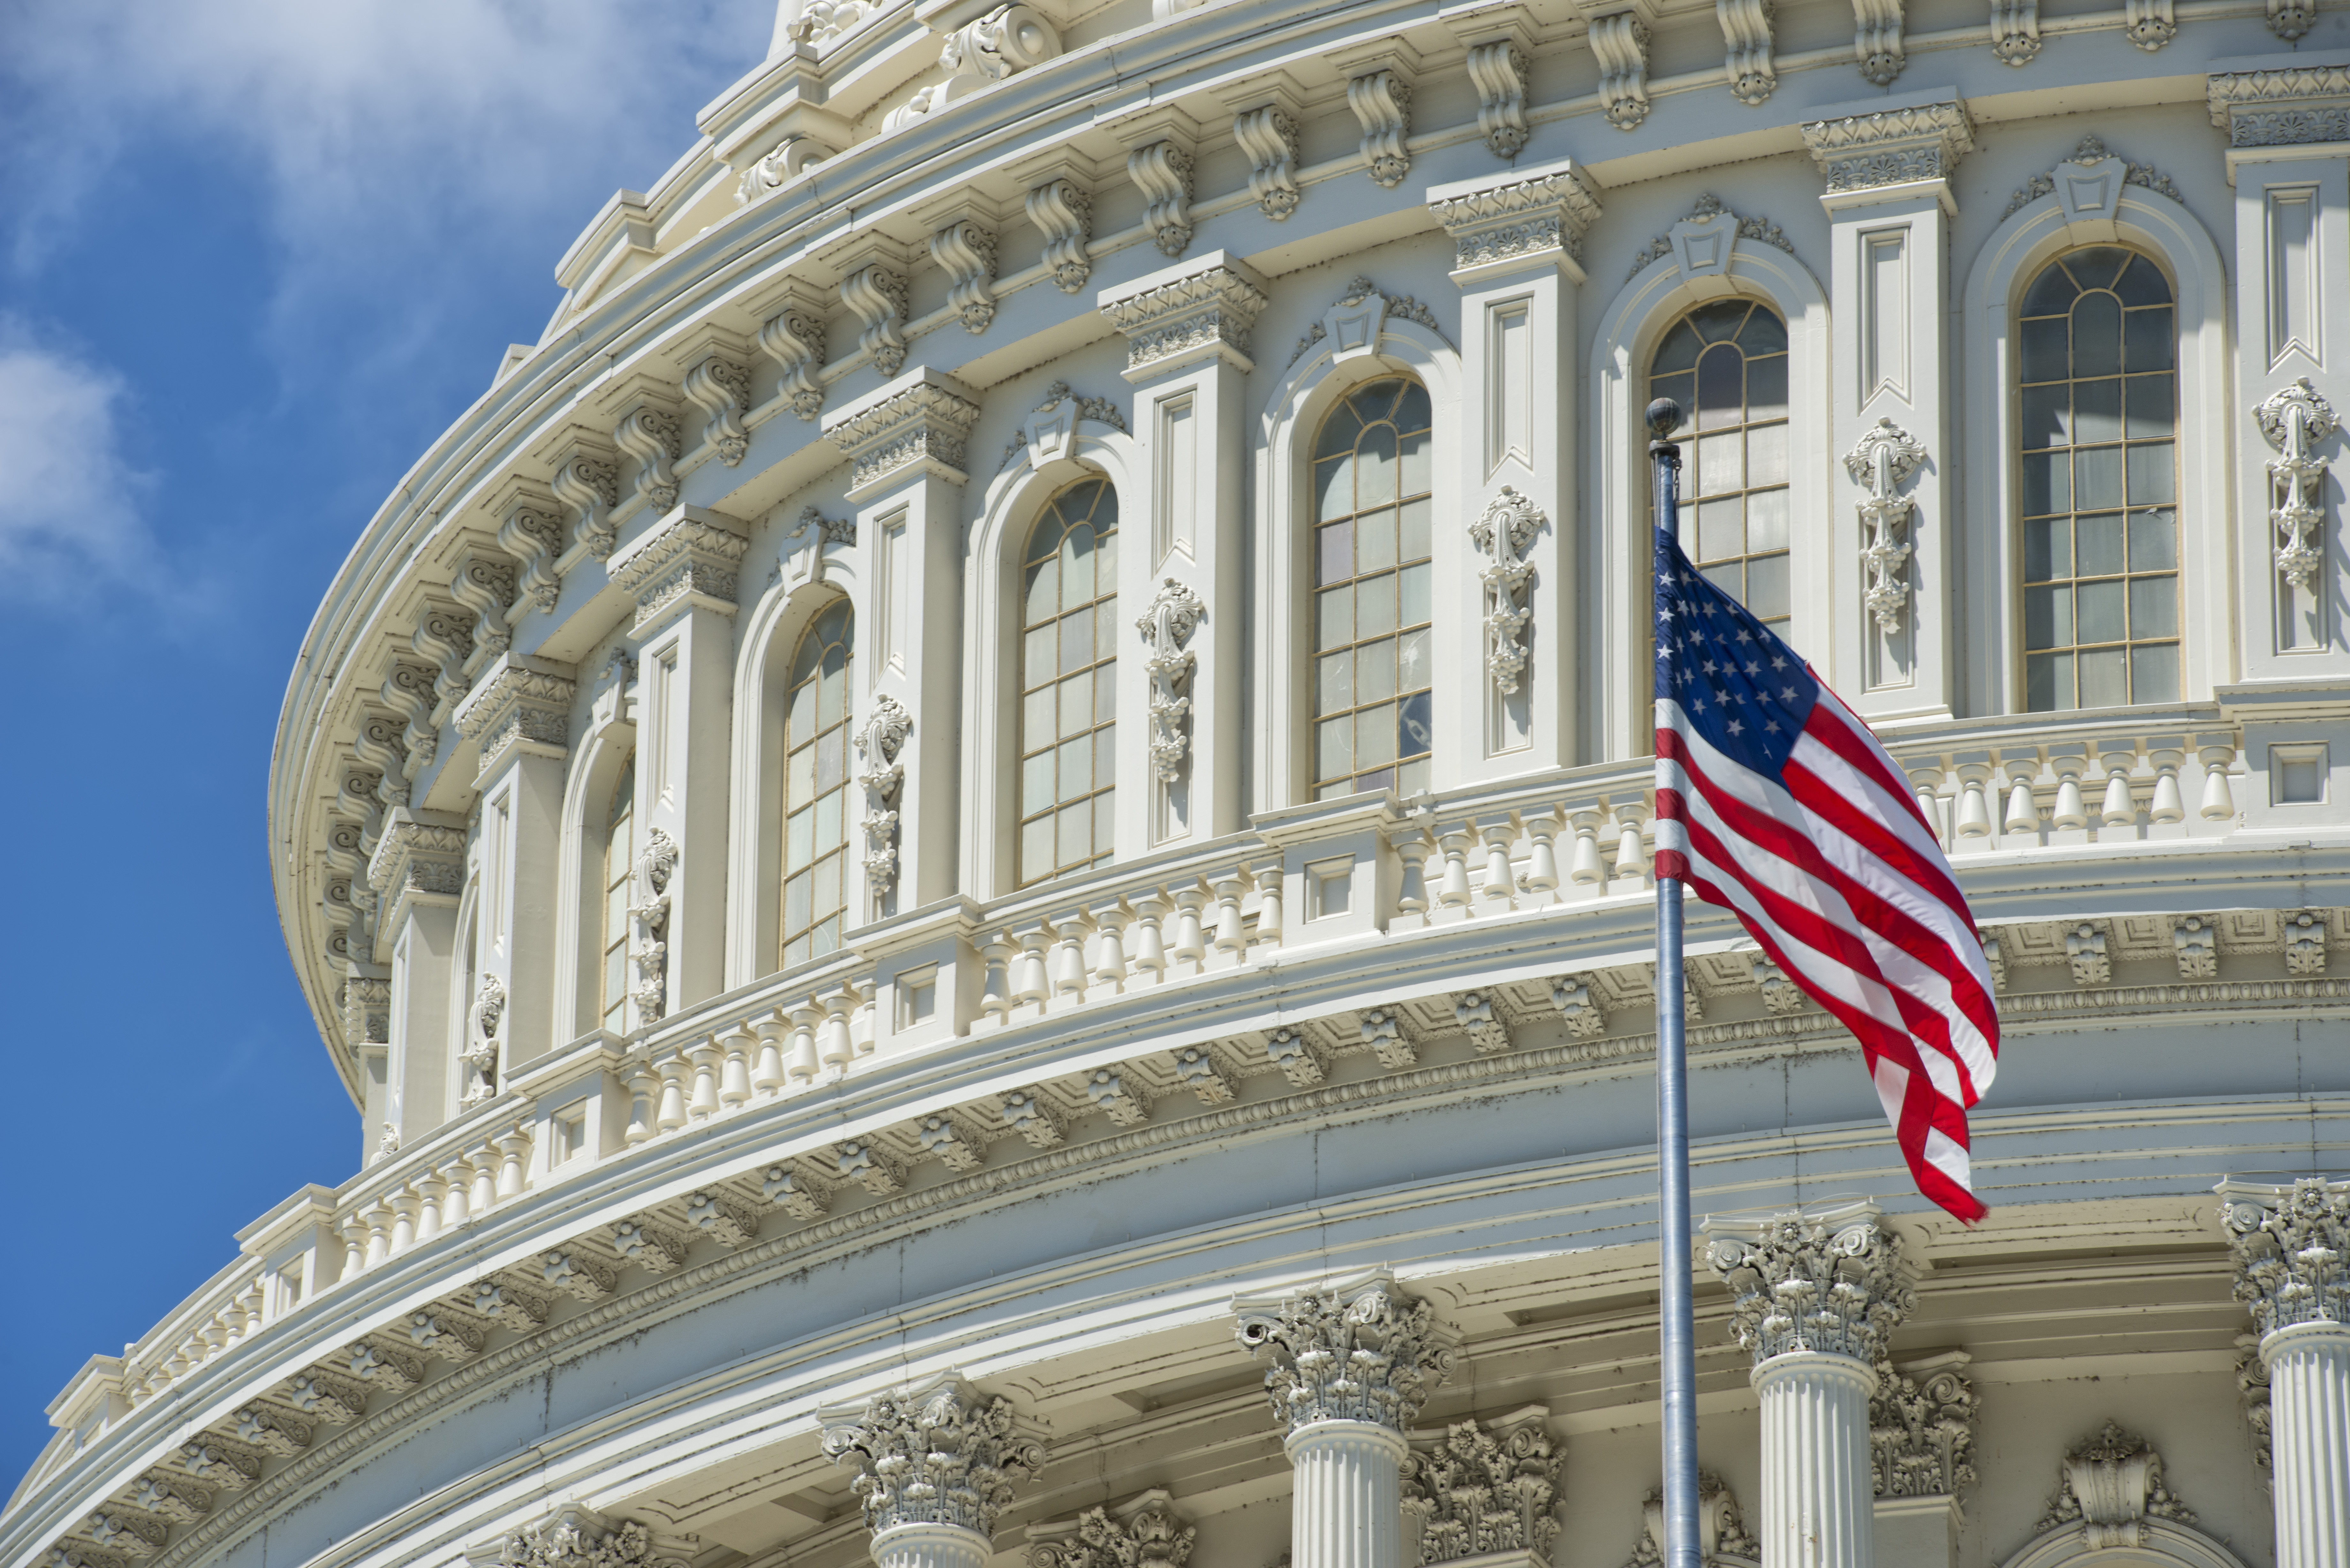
(1743, 689)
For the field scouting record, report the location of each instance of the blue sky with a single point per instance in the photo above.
(253, 255)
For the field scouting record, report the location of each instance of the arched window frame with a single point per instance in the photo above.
(1282, 671)
(814, 571)
(1087, 641)
(606, 748)
(1616, 480)
(2147, 222)
(1015, 500)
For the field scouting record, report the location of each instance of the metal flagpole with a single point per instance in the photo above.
(1677, 1332)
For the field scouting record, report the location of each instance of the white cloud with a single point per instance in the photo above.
(70, 515)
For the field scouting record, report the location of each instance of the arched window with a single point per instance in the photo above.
(2098, 347)
(815, 790)
(1725, 363)
(620, 857)
(1068, 670)
(1372, 508)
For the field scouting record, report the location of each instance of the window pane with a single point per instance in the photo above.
(798, 892)
(1720, 529)
(1037, 659)
(2043, 349)
(1766, 587)
(1766, 388)
(827, 821)
(1036, 711)
(1375, 467)
(1036, 850)
(1334, 682)
(1105, 692)
(1720, 387)
(2097, 411)
(799, 838)
(1044, 589)
(1375, 540)
(2047, 616)
(831, 758)
(1417, 595)
(1334, 618)
(1766, 454)
(2097, 544)
(2142, 283)
(1721, 464)
(1078, 703)
(2044, 416)
(1766, 520)
(1413, 543)
(1334, 487)
(1418, 472)
(2096, 340)
(2048, 681)
(1374, 736)
(1105, 756)
(2051, 295)
(1076, 640)
(2097, 479)
(2099, 615)
(1334, 746)
(1036, 784)
(2147, 340)
(2151, 403)
(1077, 567)
(2153, 608)
(1411, 660)
(2046, 483)
(2154, 673)
(2153, 476)
(1413, 725)
(1375, 606)
(1375, 670)
(1076, 767)
(2047, 549)
(2104, 677)
(2153, 541)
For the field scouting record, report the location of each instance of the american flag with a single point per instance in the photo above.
(1775, 802)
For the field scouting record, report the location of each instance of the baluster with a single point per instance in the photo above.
(860, 1020)
(485, 1161)
(768, 1077)
(430, 1189)
(1923, 781)
(1585, 868)
(1190, 941)
(403, 1221)
(2117, 809)
(378, 1224)
(1033, 984)
(2022, 811)
(1452, 887)
(672, 1094)
(1540, 880)
(355, 1247)
(995, 993)
(1268, 905)
(1068, 957)
(2168, 806)
(644, 1097)
(2071, 810)
(514, 1156)
(834, 1048)
(1500, 877)
(457, 1178)
(1150, 941)
(704, 1054)
(1232, 935)
(1631, 849)
(803, 1067)
(734, 1078)
(1109, 953)
(2218, 754)
(1412, 848)
(1974, 810)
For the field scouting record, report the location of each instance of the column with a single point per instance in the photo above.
(936, 1463)
(1352, 1362)
(906, 440)
(418, 872)
(1813, 1298)
(1892, 602)
(1187, 336)
(1511, 671)
(2286, 128)
(2289, 1244)
(681, 574)
(518, 718)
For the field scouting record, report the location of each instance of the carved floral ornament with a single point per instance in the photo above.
(2109, 1487)
(1166, 627)
(2091, 153)
(1721, 1532)
(2293, 420)
(1921, 1431)
(2291, 107)
(1802, 1282)
(1891, 146)
(879, 743)
(655, 866)
(1503, 533)
(1483, 1490)
(1145, 1533)
(1359, 1350)
(2289, 1244)
(1360, 314)
(1881, 461)
(942, 1454)
(577, 1538)
(1709, 208)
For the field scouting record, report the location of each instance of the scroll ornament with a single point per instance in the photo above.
(1166, 627)
(2294, 419)
(1883, 460)
(1504, 531)
(878, 742)
(655, 866)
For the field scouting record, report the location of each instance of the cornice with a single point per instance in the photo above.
(2286, 106)
(1504, 222)
(687, 560)
(520, 705)
(1919, 144)
(1184, 316)
(421, 859)
(921, 422)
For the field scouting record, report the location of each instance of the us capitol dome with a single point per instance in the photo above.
(979, 850)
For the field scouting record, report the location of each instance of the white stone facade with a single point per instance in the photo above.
(868, 1003)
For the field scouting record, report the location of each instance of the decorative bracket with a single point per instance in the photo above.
(878, 742)
(1504, 531)
(1884, 458)
(2294, 419)
(1166, 628)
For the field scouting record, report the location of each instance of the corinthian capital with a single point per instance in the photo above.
(1355, 1350)
(2289, 1243)
(942, 1453)
(1831, 1283)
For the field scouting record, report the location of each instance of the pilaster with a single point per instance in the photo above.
(1813, 1299)
(936, 1465)
(682, 575)
(1889, 206)
(1353, 1360)
(1517, 241)
(2289, 1244)
(2288, 123)
(418, 872)
(518, 717)
(1187, 331)
(906, 440)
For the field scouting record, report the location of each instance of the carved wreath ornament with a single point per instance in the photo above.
(1504, 531)
(1166, 627)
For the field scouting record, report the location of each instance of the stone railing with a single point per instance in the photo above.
(1322, 882)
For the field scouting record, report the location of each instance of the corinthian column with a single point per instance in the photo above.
(2289, 1243)
(1814, 1297)
(1352, 1361)
(935, 1466)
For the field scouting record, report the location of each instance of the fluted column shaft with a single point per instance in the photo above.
(927, 1545)
(2309, 1428)
(1818, 1493)
(1347, 1508)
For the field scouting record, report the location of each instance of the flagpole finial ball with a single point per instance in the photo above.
(1664, 418)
